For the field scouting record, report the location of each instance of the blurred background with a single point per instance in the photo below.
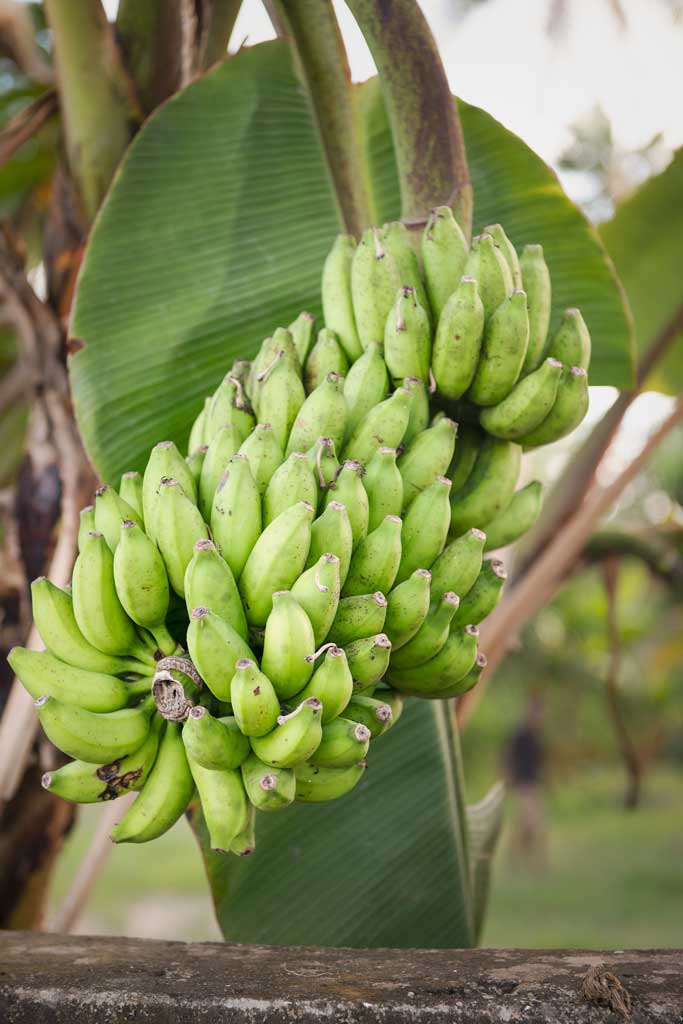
(585, 721)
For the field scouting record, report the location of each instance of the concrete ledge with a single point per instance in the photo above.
(53, 979)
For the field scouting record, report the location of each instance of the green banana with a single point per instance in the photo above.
(536, 284)
(468, 681)
(457, 342)
(224, 444)
(165, 462)
(454, 660)
(502, 352)
(236, 514)
(317, 591)
(327, 356)
(526, 406)
(444, 255)
(244, 843)
(395, 701)
(255, 704)
(343, 744)
(291, 482)
(264, 454)
(196, 438)
(268, 788)
(469, 442)
(427, 457)
(224, 804)
(228, 407)
(331, 683)
(93, 736)
(384, 425)
(41, 673)
(142, 583)
(418, 408)
(287, 644)
(487, 264)
(209, 583)
(276, 561)
(86, 783)
(483, 596)
(164, 796)
(217, 744)
(195, 463)
(322, 414)
(489, 487)
(281, 397)
(332, 533)
(507, 251)
(375, 279)
(518, 517)
(365, 386)
(336, 295)
(383, 485)
(407, 337)
(323, 461)
(302, 330)
(396, 240)
(458, 565)
(368, 660)
(407, 607)
(358, 616)
(179, 526)
(375, 715)
(569, 409)
(110, 511)
(571, 343)
(86, 524)
(317, 785)
(430, 637)
(348, 490)
(294, 739)
(130, 489)
(375, 560)
(215, 648)
(278, 348)
(425, 528)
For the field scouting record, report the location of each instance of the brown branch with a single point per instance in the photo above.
(26, 124)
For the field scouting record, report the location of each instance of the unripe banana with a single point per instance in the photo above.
(332, 533)
(224, 804)
(254, 701)
(467, 682)
(483, 596)
(268, 788)
(54, 617)
(276, 561)
(244, 843)
(93, 736)
(294, 739)
(302, 330)
(241, 369)
(209, 583)
(217, 744)
(384, 426)
(526, 406)
(502, 352)
(375, 715)
(487, 264)
(376, 559)
(375, 279)
(489, 487)
(164, 796)
(327, 356)
(397, 241)
(110, 511)
(287, 644)
(425, 528)
(317, 785)
(470, 439)
(42, 673)
(454, 660)
(571, 343)
(395, 701)
(224, 444)
(407, 607)
(427, 457)
(322, 414)
(507, 251)
(142, 583)
(195, 463)
(430, 637)
(518, 517)
(273, 350)
(347, 489)
(536, 284)
(179, 527)
(368, 660)
(365, 386)
(86, 783)
(331, 683)
(130, 489)
(86, 524)
(323, 460)
(215, 648)
(228, 407)
(196, 438)
(358, 616)
(418, 413)
(457, 342)
(281, 397)
(384, 487)
(336, 295)
(569, 409)
(264, 454)
(165, 462)
(317, 591)
(458, 565)
(343, 744)
(407, 337)
(444, 254)
(236, 514)
(291, 482)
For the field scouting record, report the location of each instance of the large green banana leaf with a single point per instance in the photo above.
(645, 240)
(215, 230)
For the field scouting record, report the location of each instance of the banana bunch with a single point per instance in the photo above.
(244, 621)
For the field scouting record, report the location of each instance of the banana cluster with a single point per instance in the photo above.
(242, 622)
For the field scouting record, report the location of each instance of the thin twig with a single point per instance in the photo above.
(26, 124)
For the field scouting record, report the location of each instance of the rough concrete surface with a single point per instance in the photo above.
(54, 979)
